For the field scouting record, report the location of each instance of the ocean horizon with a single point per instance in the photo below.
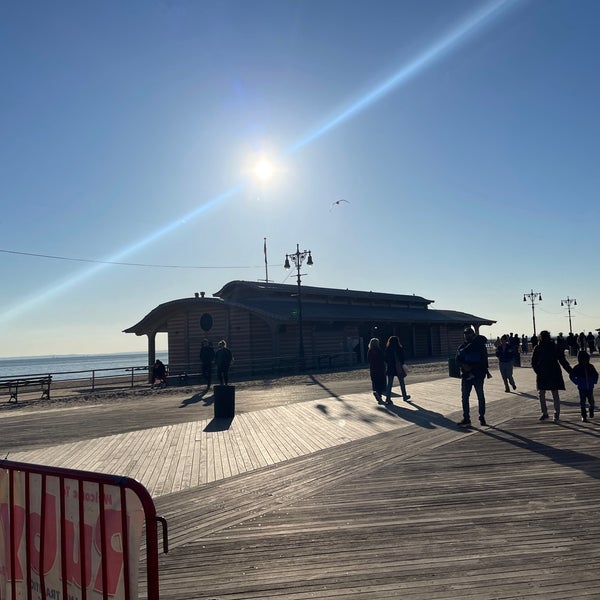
(75, 366)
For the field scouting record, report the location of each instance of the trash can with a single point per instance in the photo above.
(453, 368)
(224, 401)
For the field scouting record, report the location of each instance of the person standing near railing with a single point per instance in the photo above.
(207, 356)
(159, 371)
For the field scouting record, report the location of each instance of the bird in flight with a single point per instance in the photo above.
(337, 203)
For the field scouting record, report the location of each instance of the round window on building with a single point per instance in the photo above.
(206, 322)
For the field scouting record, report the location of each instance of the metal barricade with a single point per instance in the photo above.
(74, 535)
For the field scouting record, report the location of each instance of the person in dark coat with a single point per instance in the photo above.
(585, 377)
(223, 359)
(376, 360)
(591, 342)
(506, 355)
(472, 358)
(159, 371)
(394, 360)
(207, 356)
(546, 361)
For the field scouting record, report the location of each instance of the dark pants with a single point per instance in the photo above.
(589, 396)
(207, 373)
(466, 386)
(223, 374)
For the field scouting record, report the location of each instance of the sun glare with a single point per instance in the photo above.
(264, 169)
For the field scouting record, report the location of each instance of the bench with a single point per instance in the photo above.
(15, 384)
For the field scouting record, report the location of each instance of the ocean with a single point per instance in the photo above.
(63, 367)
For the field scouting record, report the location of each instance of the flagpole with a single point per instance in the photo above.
(266, 264)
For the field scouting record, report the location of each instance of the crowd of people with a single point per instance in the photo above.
(547, 360)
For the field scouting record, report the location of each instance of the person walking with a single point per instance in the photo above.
(546, 361)
(524, 344)
(472, 358)
(585, 377)
(534, 341)
(591, 342)
(223, 359)
(376, 360)
(207, 356)
(506, 356)
(394, 360)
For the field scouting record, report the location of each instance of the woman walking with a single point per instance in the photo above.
(546, 361)
(376, 360)
(394, 360)
(506, 357)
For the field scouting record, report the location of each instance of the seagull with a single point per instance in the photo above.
(337, 202)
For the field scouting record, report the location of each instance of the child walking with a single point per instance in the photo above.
(585, 377)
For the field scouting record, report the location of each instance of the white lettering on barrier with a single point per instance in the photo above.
(49, 558)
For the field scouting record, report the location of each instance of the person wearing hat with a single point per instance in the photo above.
(472, 357)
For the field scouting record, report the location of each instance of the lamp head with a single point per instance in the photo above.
(286, 264)
(309, 262)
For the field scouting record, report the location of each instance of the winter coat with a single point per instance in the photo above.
(393, 356)
(473, 354)
(376, 360)
(505, 354)
(585, 377)
(546, 361)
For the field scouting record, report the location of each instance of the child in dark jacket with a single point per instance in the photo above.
(585, 376)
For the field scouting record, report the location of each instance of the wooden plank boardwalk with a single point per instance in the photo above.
(340, 498)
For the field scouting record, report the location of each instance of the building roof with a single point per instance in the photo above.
(235, 290)
(279, 302)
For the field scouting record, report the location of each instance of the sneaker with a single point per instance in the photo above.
(584, 419)
(464, 423)
(506, 390)
(514, 386)
(406, 398)
(543, 417)
(482, 421)
(556, 418)
(591, 413)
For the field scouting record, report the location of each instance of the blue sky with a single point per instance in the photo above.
(464, 134)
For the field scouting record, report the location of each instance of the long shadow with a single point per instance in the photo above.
(586, 463)
(208, 400)
(218, 425)
(422, 417)
(315, 381)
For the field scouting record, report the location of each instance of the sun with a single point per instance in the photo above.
(264, 169)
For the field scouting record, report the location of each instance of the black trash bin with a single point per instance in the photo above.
(224, 401)
(453, 368)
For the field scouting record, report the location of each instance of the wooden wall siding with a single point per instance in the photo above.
(186, 335)
(421, 337)
(262, 342)
(444, 344)
(455, 339)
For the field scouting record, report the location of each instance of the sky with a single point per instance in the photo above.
(464, 136)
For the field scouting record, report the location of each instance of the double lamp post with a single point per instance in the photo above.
(298, 258)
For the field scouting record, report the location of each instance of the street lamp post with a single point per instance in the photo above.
(298, 258)
(568, 303)
(533, 296)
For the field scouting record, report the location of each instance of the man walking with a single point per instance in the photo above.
(472, 358)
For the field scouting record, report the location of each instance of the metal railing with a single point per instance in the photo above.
(75, 534)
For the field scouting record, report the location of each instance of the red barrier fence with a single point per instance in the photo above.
(74, 535)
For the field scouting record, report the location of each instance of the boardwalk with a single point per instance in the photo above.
(341, 498)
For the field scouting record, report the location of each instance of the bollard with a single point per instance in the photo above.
(224, 401)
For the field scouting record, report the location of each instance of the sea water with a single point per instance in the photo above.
(75, 366)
